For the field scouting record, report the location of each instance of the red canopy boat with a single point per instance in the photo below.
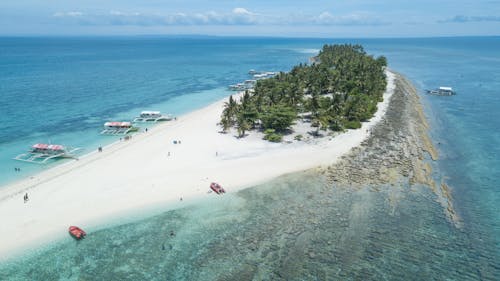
(217, 188)
(77, 232)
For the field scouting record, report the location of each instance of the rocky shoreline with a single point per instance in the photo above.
(398, 151)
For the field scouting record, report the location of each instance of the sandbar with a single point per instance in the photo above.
(150, 169)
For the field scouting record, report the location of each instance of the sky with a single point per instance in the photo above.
(290, 18)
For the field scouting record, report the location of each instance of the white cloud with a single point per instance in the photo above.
(68, 14)
(238, 16)
(327, 18)
(465, 19)
(242, 11)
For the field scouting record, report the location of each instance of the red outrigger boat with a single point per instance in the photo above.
(77, 232)
(217, 188)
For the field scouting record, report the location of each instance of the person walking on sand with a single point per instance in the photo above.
(26, 198)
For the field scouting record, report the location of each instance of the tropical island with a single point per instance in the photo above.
(338, 91)
(348, 177)
(347, 93)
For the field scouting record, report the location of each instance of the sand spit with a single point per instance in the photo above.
(153, 170)
(399, 151)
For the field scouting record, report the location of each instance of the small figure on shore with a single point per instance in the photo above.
(169, 153)
(216, 153)
(146, 130)
(26, 198)
(99, 149)
(179, 141)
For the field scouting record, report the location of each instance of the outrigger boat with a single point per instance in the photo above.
(246, 85)
(238, 87)
(442, 91)
(261, 74)
(40, 153)
(152, 116)
(264, 75)
(250, 83)
(118, 128)
(76, 232)
(217, 188)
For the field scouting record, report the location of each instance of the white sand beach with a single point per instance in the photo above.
(150, 169)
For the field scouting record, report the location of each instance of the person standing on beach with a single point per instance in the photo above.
(26, 197)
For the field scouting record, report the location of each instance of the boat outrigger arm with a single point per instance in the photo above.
(42, 158)
(120, 131)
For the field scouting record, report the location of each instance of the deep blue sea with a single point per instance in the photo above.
(61, 90)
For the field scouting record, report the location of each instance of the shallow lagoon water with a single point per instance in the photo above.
(297, 227)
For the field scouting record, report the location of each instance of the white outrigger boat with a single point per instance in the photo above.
(152, 116)
(238, 87)
(118, 128)
(246, 85)
(40, 153)
(264, 75)
(442, 91)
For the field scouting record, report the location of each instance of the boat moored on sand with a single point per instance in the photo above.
(152, 116)
(118, 128)
(217, 188)
(77, 232)
(40, 153)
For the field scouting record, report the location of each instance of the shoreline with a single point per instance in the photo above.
(149, 171)
(399, 153)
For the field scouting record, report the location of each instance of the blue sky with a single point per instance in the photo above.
(312, 18)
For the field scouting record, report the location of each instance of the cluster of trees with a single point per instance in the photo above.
(339, 91)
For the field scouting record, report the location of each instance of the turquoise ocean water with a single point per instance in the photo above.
(62, 89)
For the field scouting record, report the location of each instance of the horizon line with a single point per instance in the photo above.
(230, 36)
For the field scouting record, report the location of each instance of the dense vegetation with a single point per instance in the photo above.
(338, 91)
